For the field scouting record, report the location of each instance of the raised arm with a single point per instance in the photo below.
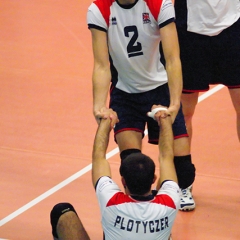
(100, 166)
(101, 76)
(167, 168)
(166, 155)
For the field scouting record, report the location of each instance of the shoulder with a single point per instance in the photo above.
(169, 185)
(158, 4)
(104, 184)
(102, 5)
(99, 12)
(169, 194)
(164, 8)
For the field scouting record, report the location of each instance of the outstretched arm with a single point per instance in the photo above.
(167, 168)
(100, 166)
(101, 76)
(173, 66)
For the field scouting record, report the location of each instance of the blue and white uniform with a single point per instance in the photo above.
(139, 78)
(133, 39)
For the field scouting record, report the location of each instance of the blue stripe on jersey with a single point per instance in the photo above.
(96, 27)
(166, 22)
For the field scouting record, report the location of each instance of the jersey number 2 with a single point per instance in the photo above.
(134, 48)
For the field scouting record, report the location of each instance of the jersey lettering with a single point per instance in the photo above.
(131, 225)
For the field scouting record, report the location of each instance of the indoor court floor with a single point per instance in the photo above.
(47, 130)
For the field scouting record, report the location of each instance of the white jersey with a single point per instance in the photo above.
(210, 17)
(133, 40)
(125, 217)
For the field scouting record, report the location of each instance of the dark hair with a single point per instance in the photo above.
(138, 171)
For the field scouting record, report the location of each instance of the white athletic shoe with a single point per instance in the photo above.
(187, 202)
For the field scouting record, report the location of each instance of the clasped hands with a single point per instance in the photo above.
(157, 112)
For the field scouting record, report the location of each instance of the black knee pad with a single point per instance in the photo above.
(127, 152)
(57, 211)
(185, 170)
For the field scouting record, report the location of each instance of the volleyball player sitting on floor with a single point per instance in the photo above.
(138, 213)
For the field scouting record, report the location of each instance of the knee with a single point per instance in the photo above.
(57, 211)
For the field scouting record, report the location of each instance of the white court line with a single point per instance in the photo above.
(210, 92)
(80, 173)
(53, 190)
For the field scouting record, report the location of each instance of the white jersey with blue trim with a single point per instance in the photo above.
(133, 40)
(210, 17)
(126, 217)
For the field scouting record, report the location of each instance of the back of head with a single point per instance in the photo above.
(138, 171)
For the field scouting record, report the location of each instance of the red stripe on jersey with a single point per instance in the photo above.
(165, 200)
(104, 7)
(154, 6)
(121, 198)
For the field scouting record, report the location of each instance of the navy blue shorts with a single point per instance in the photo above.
(210, 59)
(132, 111)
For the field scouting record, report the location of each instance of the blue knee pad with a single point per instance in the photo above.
(185, 170)
(57, 211)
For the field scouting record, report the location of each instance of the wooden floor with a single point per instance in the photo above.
(47, 130)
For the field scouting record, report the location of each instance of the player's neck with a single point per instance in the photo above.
(144, 195)
(126, 2)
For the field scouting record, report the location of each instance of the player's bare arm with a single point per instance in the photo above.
(100, 166)
(101, 74)
(167, 168)
(173, 66)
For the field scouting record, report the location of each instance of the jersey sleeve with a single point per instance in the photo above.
(171, 189)
(95, 18)
(167, 13)
(105, 189)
